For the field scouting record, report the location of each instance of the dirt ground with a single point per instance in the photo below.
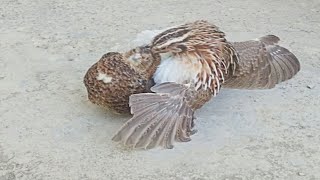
(49, 129)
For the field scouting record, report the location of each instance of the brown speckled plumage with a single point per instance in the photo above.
(121, 75)
(167, 115)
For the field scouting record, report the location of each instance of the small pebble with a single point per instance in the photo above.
(310, 86)
(301, 174)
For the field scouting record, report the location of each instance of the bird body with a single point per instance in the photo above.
(196, 60)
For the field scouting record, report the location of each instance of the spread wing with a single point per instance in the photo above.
(262, 64)
(158, 118)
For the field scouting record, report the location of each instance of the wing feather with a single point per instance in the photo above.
(262, 64)
(158, 119)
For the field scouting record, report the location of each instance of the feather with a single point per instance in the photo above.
(159, 118)
(262, 64)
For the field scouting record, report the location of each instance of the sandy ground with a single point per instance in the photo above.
(49, 130)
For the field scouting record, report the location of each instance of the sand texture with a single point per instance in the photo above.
(49, 129)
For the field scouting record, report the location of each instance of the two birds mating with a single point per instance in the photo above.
(163, 82)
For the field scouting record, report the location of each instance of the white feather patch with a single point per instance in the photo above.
(103, 77)
(174, 69)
